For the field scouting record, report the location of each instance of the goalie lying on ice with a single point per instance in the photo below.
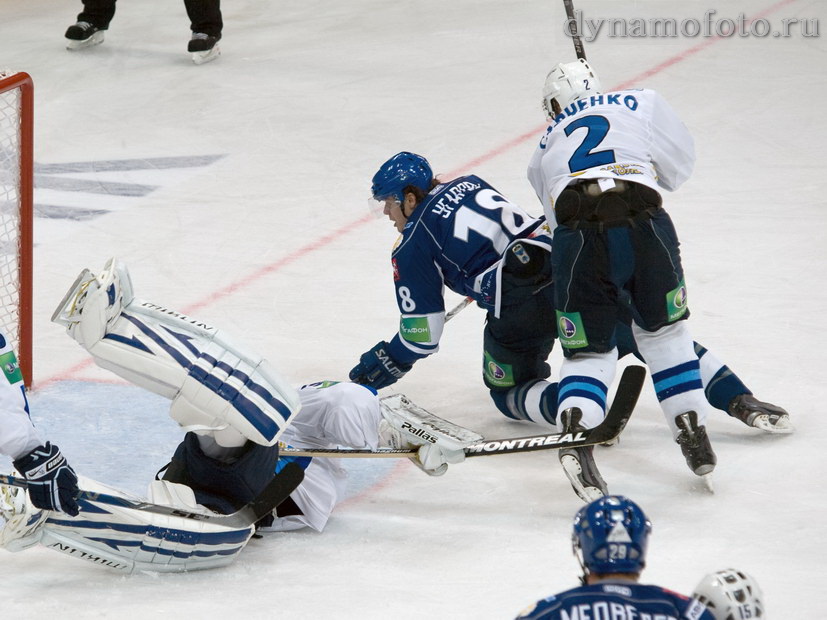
(236, 411)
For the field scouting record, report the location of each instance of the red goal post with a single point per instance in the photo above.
(16, 214)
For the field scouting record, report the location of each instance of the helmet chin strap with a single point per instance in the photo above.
(579, 555)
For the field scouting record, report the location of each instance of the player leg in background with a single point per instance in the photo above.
(659, 304)
(586, 316)
(90, 25)
(724, 389)
(206, 24)
(517, 344)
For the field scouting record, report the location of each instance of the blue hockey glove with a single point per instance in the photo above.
(378, 369)
(52, 482)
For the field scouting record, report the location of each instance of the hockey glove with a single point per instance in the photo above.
(52, 482)
(378, 369)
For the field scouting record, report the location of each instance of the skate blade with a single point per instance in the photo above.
(707, 480)
(95, 39)
(782, 427)
(199, 58)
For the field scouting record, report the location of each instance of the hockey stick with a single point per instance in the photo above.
(273, 494)
(457, 309)
(571, 27)
(628, 390)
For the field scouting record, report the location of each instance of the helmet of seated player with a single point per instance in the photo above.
(610, 536)
(400, 171)
(731, 595)
(568, 82)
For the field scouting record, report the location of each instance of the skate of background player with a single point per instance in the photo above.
(302, 119)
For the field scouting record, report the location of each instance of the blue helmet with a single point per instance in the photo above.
(611, 535)
(400, 171)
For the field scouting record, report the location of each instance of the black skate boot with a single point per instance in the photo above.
(757, 414)
(83, 34)
(694, 444)
(203, 47)
(578, 463)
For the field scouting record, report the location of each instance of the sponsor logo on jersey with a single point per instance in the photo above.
(617, 589)
(567, 327)
(415, 329)
(621, 170)
(571, 331)
(395, 270)
(676, 302)
(11, 368)
(496, 373)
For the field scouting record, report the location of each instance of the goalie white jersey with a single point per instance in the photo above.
(631, 134)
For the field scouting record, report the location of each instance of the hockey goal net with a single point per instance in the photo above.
(16, 213)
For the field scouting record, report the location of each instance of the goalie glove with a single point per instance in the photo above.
(377, 369)
(52, 482)
(439, 442)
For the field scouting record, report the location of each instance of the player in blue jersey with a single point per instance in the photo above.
(610, 540)
(464, 235)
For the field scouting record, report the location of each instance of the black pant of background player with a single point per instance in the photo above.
(205, 15)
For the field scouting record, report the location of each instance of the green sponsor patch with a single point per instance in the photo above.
(676, 302)
(570, 330)
(415, 329)
(499, 375)
(11, 368)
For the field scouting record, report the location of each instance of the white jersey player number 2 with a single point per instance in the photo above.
(585, 156)
(467, 219)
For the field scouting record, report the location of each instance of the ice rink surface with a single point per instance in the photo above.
(236, 192)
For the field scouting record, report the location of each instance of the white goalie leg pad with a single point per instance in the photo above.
(217, 386)
(407, 425)
(129, 540)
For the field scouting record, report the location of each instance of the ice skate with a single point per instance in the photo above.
(23, 521)
(203, 48)
(694, 444)
(82, 35)
(764, 416)
(578, 463)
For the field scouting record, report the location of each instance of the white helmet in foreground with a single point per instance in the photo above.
(568, 82)
(731, 595)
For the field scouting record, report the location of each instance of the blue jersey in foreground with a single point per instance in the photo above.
(617, 600)
(455, 238)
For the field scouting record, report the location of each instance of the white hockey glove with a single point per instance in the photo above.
(408, 426)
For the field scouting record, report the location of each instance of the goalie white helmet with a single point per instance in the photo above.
(731, 595)
(568, 82)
